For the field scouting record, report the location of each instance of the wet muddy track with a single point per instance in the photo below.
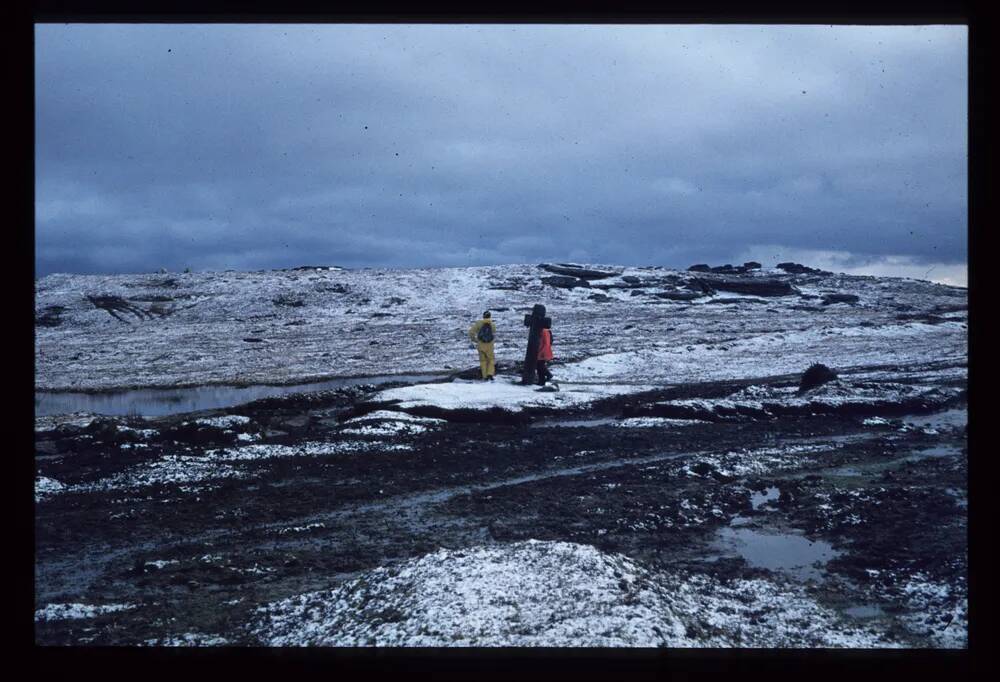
(309, 522)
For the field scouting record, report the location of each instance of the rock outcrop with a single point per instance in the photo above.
(839, 298)
(798, 268)
(563, 282)
(753, 286)
(580, 272)
(679, 295)
(727, 269)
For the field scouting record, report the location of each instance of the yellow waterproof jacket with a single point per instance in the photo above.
(474, 329)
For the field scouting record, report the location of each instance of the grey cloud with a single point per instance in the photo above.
(448, 145)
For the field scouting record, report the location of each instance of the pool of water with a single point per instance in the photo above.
(961, 497)
(849, 471)
(874, 468)
(936, 451)
(156, 402)
(757, 500)
(788, 553)
(949, 419)
(865, 611)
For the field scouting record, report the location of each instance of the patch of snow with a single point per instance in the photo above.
(650, 422)
(160, 563)
(77, 611)
(738, 463)
(51, 422)
(252, 570)
(188, 639)
(145, 434)
(47, 486)
(223, 464)
(301, 529)
(551, 594)
(388, 415)
(936, 611)
(834, 394)
(508, 396)
(223, 422)
(263, 451)
(170, 469)
(385, 429)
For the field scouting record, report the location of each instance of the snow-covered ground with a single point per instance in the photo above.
(559, 594)
(77, 611)
(297, 326)
(386, 423)
(510, 396)
(187, 639)
(47, 486)
(775, 353)
(901, 347)
(835, 394)
(222, 463)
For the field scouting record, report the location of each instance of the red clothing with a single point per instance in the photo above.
(545, 345)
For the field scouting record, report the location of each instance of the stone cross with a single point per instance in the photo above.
(534, 322)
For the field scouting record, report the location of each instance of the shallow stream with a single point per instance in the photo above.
(157, 402)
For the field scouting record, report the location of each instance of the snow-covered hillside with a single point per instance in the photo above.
(635, 327)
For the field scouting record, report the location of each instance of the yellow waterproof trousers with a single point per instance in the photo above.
(486, 363)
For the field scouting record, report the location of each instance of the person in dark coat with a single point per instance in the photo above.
(544, 354)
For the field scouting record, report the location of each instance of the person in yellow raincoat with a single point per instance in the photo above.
(483, 339)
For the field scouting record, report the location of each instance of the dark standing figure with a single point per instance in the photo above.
(544, 352)
(534, 322)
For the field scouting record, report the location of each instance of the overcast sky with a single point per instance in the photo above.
(264, 146)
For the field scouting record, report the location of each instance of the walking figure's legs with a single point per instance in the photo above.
(484, 363)
(487, 363)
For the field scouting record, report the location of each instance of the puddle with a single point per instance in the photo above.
(157, 402)
(936, 451)
(757, 500)
(846, 471)
(846, 438)
(549, 423)
(853, 471)
(865, 611)
(793, 555)
(949, 419)
(961, 497)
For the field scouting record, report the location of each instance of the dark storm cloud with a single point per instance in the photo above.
(250, 146)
